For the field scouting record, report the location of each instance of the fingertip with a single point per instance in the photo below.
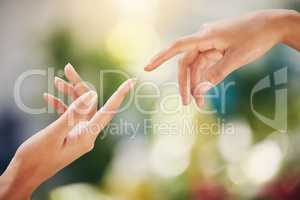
(69, 70)
(59, 83)
(149, 67)
(200, 102)
(94, 94)
(56, 80)
(132, 82)
(188, 99)
(84, 103)
(125, 87)
(128, 85)
(185, 101)
(68, 66)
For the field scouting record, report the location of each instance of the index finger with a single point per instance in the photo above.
(179, 46)
(72, 75)
(106, 113)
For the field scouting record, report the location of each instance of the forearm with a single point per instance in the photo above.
(291, 23)
(13, 185)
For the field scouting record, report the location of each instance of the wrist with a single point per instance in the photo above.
(289, 27)
(13, 184)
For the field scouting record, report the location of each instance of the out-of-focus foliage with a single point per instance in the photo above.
(77, 192)
(203, 165)
(186, 153)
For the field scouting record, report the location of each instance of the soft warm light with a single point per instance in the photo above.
(170, 156)
(234, 146)
(132, 41)
(235, 174)
(263, 162)
(137, 8)
(173, 141)
(77, 192)
(130, 165)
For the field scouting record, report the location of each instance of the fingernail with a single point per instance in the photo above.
(147, 67)
(69, 67)
(151, 63)
(57, 80)
(184, 101)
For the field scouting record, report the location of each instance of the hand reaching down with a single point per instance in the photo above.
(224, 46)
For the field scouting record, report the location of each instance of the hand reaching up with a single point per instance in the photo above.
(63, 141)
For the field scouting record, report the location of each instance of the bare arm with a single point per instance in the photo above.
(221, 47)
(63, 141)
(292, 36)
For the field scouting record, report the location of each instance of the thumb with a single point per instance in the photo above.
(217, 73)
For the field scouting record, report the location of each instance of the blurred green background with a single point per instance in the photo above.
(256, 162)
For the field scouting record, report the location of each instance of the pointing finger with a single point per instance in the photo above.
(179, 46)
(106, 113)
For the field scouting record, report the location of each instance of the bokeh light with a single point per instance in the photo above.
(264, 162)
(234, 146)
(132, 41)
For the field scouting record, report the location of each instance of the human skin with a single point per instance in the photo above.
(63, 141)
(221, 47)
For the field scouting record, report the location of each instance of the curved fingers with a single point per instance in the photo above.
(76, 112)
(56, 103)
(204, 61)
(221, 69)
(78, 84)
(196, 75)
(65, 87)
(71, 74)
(184, 75)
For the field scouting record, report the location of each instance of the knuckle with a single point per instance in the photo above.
(20, 153)
(87, 141)
(213, 76)
(202, 62)
(89, 145)
(208, 30)
(180, 63)
(194, 92)
(205, 26)
(177, 44)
